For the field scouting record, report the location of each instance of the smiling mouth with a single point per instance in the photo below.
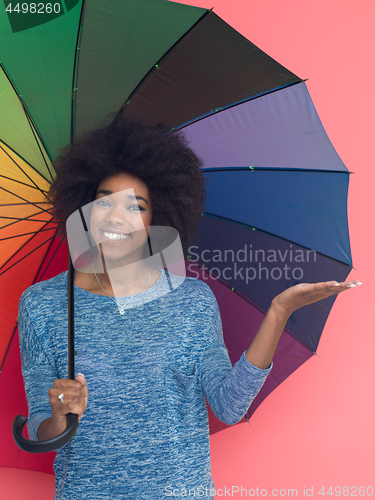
(115, 236)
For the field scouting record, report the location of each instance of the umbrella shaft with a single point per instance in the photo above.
(71, 320)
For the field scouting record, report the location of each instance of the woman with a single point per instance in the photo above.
(150, 358)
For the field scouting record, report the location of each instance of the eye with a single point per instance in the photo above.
(102, 203)
(139, 207)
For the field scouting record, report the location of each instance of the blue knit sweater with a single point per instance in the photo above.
(145, 433)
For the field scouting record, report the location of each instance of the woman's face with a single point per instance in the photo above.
(120, 217)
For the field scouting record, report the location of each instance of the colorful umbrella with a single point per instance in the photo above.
(252, 121)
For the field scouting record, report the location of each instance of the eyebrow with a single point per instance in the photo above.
(107, 192)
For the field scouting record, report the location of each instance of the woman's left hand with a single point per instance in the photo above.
(306, 293)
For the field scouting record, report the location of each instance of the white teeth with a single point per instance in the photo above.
(115, 236)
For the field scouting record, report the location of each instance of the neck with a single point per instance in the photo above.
(124, 280)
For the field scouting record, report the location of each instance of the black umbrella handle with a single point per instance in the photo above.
(71, 418)
(49, 444)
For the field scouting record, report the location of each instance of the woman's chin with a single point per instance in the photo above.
(114, 259)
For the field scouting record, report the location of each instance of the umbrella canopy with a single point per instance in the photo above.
(271, 225)
(276, 183)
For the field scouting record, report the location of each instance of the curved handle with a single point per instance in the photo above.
(49, 444)
(71, 418)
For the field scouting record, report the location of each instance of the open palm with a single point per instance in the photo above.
(306, 293)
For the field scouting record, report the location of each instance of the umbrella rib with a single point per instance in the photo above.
(24, 184)
(51, 259)
(17, 204)
(24, 257)
(234, 104)
(15, 328)
(50, 221)
(73, 102)
(196, 119)
(156, 64)
(24, 160)
(243, 224)
(26, 242)
(27, 234)
(23, 199)
(33, 128)
(17, 219)
(205, 269)
(273, 169)
(284, 204)
(19, 182)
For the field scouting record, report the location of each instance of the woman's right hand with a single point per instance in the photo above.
(75, 401)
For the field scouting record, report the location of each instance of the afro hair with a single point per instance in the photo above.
(162, 160)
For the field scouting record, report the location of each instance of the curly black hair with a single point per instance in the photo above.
(162, 160)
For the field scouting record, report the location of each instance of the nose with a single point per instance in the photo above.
(116, 215)
(123, 218)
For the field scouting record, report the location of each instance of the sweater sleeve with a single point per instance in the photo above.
(228, 390)
(37, 371)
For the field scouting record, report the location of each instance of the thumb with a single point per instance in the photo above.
(81, 378)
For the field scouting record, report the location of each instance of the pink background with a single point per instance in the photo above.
(317, 428)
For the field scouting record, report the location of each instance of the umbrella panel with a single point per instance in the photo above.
(18, 132)
(280, 130)
(254, 264)
(17, 274)
(212, 67)
(241, 321)
(125, 40)
(308, 208)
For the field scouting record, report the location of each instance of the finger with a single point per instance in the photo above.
(64, 383)
(82, 379)
(354, 284)
(329, 288)
(70, 404)
(347, 284)
(75, 396)
(334, 288)
(76, 409)
(70, 395)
